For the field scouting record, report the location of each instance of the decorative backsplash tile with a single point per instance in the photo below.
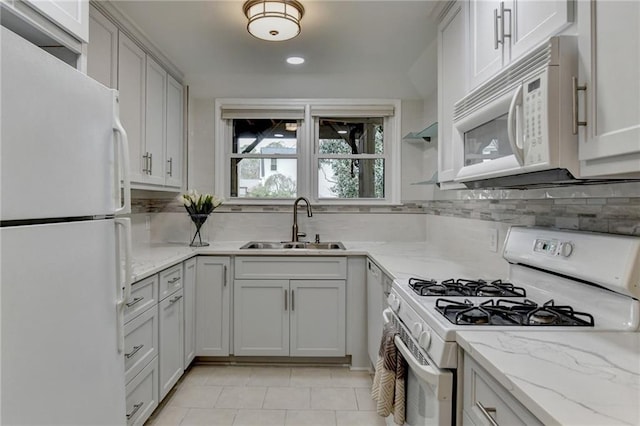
(614, 215)
(612, 208)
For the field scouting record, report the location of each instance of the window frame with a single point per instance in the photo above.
(307, 154)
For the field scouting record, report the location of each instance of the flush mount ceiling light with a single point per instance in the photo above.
(273, 20)
(295, 60)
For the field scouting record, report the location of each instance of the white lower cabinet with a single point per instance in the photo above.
(487, 402)
(317, 318)
(140, 342)
(261, 317)
(142, 394)
(294, 311)
(141, 351)
(212, 306)
(171, 312)
(189, 278)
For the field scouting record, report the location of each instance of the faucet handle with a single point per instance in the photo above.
(302, 234)
(317, 238)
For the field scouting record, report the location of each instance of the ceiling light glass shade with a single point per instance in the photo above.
(273, 20)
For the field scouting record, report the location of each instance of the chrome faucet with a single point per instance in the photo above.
(294, 231)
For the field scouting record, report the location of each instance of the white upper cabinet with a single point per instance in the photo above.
(71, 15)
(501, 31)
(609, 108)
(486, 50)
(102, 52)
(174, 129)
(156, 108)
(151, 102)
(535, 21)
(452, 78)
(131, 84)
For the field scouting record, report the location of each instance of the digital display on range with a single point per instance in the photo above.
(533, 85)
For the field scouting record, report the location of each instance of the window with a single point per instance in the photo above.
(259, 146)
(272, 151)
(350, 158)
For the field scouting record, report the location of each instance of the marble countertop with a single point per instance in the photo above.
(397, 259)
(567, 378)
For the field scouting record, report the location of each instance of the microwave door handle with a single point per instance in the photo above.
(512, 132)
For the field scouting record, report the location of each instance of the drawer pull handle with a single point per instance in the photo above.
(174, 300)
(485, 412)
(174, 280)
(136, 407)
(134, 301)
(134, 351)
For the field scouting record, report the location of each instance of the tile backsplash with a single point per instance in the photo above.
(603, 208)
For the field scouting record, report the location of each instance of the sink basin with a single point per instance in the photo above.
(269, 245)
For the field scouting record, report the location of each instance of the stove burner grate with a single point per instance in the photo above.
(465, 287)
(510, 312)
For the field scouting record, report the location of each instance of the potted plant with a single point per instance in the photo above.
(199, 207)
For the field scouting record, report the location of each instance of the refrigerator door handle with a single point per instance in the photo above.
(123, 273)
(121, 161)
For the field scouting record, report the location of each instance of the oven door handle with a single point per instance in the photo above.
(428, 373)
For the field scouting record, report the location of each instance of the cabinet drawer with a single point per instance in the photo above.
(483, 392)
(265, 267)
(142, 394)
(140, 342)
(170, 281)
(144, 294)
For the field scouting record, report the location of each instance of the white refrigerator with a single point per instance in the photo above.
(65, 254)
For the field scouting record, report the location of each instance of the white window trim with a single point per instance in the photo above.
(307, 155)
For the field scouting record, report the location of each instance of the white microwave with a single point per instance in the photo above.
(516, 129)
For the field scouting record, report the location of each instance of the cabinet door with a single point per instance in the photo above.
(189, 276)
(533, 22)
(156, 104)
(486, 58)
(72, 15)
(317, 318)
(212, 306)
(261, 317)
(174, 130)
(610, 69)
(452, 83)
(102, 52)
(131, 84)
(375, 306)
(171, 311)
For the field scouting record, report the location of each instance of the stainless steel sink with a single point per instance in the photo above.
(271, 245)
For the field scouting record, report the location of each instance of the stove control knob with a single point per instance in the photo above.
(424, 340)
(566, 249)
(394, 302)
(416, 329)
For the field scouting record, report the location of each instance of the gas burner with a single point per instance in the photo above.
(465, 287)
(542, 318)
(427, 287)
(509, 312)
(473, 315)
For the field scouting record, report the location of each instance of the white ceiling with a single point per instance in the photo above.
(383, 49)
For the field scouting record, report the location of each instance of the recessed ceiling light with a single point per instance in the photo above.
(295, 60)
(342, 132)
(278, 135)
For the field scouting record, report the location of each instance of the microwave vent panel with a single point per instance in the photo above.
(533, 63)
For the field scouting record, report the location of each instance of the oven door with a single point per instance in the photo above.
(488, 141)
(429, 389)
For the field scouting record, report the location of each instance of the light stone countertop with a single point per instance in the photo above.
(397, 259)
(567, 378)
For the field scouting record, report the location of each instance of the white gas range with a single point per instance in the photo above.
(558, 280)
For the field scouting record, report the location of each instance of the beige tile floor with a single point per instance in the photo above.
(278, 396)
